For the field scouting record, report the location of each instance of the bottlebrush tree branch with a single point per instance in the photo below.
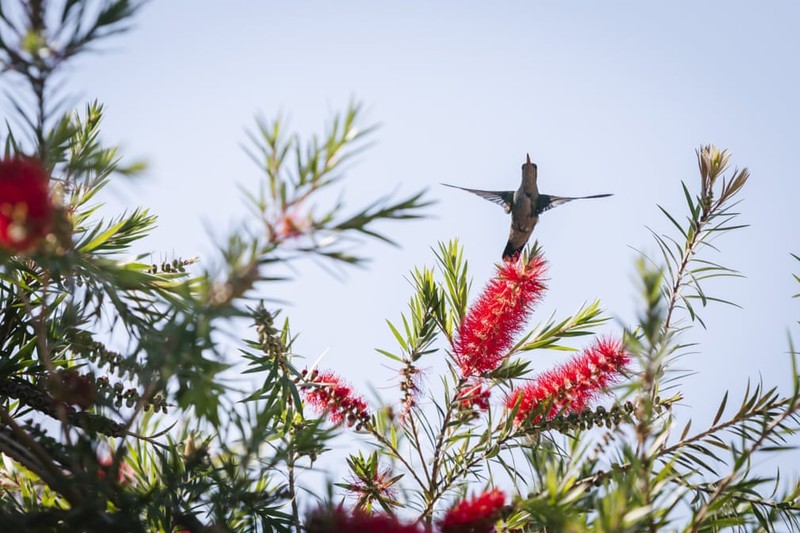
(298, 174)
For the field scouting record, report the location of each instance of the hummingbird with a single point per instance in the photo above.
(525, 205)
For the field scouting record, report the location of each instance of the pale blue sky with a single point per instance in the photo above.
(606, 98)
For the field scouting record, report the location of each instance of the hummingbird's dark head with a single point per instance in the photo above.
(528, 162)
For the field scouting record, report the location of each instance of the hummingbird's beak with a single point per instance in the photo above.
(529, 158)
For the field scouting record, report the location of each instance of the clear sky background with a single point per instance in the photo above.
(606, 97)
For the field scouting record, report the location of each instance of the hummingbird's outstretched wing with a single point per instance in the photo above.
(503, 198)
(548, 201)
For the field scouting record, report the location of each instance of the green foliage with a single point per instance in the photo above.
(115, 406)
(297, 171)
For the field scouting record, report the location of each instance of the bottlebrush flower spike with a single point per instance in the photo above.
(571, 386)
(475, 395)
(339, 520)
(491, 324)
(125, 474)
(474, 516)
(409, 386)
(26, 212)
(328, 392)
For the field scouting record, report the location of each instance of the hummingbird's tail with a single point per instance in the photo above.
(511, 251)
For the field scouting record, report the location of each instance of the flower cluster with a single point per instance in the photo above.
(476, 515)
(474, 396)
(339, 520)
(125, 473)
(292, 224)
(327, 392)
(409, 386)
(72, 388)
(26, 212)
(489, 329)
(571, 386)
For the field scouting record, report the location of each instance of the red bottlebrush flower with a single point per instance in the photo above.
(72, 388)
(474, 395)
(26, 212)
(328, 392)
(474, 516)
(492, 322)
(292, 224)
(125, 474)
(572, 385)
(339, 520)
